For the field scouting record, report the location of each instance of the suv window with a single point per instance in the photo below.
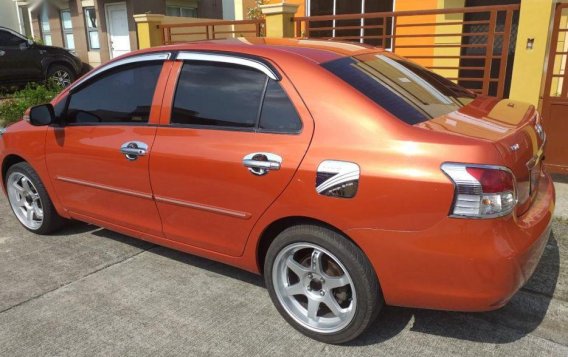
(218, 94)
(8, 39)
(121, 95)
(406, 90)
(278, 113)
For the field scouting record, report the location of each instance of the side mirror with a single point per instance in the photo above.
(30, 42)
(25, 44)
(41, 115)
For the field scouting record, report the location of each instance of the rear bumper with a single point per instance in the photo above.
(461, 264)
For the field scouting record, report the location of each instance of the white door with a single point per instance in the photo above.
(117, 22)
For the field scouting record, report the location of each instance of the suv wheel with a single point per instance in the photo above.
(322, 283)
(61, 75)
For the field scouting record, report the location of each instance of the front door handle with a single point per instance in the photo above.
(261, 163)
(2, 53)
(133, 149)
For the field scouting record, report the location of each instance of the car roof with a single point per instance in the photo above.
(318, 51)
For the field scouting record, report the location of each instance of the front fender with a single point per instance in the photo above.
(27, 142)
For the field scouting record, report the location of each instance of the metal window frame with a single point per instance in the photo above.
(362, 31)
(90, 29)
(65, 31)
(180, 7)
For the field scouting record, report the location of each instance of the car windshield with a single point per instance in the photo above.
(405, 89)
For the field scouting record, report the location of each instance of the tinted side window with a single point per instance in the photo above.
(278, 113)
(9, 40)
(218, 94)
(123, 95)
(408, 91)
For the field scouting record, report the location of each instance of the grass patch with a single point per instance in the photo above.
(12, 109)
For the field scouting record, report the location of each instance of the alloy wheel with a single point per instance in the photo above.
(314, 287)
(25, 200)
(62, 78)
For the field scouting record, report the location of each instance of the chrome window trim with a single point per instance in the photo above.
(224, 58)
(162, 56)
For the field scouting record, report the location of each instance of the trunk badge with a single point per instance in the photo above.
(515, 147)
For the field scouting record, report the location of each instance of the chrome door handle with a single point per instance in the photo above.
(260, 163)
(133, 149)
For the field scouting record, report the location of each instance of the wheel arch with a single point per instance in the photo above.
(275, 228)
(8, 162)
(59, 62)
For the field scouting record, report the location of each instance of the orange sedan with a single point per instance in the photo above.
(349, 177)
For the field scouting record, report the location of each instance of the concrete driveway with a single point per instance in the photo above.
(89, 291)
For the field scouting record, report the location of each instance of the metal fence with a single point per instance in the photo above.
(211, 30)
(473, 46)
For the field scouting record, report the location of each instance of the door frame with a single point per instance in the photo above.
(548, 100)
(108, 26)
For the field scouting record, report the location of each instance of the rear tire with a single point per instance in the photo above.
(29, 200)
(322, 283)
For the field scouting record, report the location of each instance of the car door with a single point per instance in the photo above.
(98, 158)
(19, 61)
(222, 160)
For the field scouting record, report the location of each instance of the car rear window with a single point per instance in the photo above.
(405, 89)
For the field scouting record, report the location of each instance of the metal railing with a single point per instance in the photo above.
(211, 30)
(471, 46)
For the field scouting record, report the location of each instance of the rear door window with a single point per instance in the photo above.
(218, 95)
(278, 113)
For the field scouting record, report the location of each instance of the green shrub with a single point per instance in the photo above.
(12, 109)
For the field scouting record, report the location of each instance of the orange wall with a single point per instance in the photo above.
(408, 5)
(301, 9)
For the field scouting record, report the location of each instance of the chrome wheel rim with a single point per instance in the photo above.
(25, 200)
(62, 78)
(314, 287)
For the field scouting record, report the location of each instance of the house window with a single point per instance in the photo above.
(181, 11)
(370, 35)
(67, 28)
(25, 27)
(45, 28)
(92, 27)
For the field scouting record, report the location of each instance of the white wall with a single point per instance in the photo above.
(9, 15)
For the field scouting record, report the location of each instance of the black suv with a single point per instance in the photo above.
(23, 61)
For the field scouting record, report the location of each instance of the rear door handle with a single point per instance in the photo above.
(133, 149)
(261, 163)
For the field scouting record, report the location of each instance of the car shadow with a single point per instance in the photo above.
(72, 228)
(522, 315)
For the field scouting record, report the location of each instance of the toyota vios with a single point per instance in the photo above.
(349, 177)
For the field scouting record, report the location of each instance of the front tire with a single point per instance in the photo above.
(61, 75)
(322, 283)
(29, 200)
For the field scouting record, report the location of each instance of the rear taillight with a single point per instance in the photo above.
(481, 191)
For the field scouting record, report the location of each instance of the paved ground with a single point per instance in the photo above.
(89, 291)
